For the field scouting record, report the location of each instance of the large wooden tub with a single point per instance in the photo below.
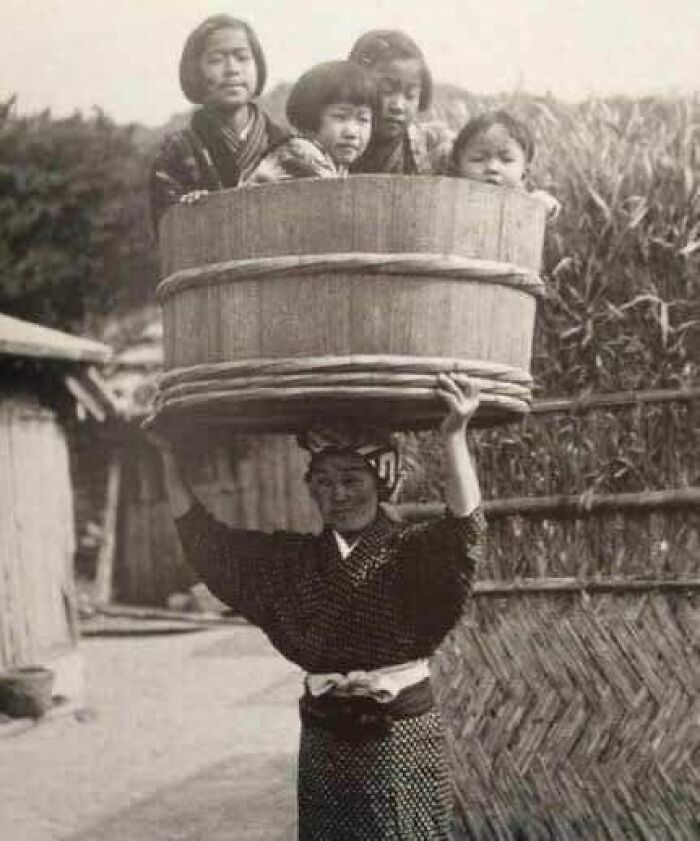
(291, 303)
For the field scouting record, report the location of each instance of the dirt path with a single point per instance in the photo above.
(194, 738)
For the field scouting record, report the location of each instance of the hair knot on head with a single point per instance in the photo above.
(379, 450)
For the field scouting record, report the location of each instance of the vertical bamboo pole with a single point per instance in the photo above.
(105, 558)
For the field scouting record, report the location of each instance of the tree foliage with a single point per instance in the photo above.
(72, 230)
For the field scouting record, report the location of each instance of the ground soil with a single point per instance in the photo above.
(187, 736)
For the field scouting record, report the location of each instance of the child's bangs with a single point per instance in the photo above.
(350, 85)
(326, 84)
(477, 126)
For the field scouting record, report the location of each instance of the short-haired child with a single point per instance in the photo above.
(400, 144)
(222, 70)
(331, 108)
(498, 148)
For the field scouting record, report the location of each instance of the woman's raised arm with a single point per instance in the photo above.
(462, 493)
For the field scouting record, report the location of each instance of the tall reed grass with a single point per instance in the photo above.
(622, 311)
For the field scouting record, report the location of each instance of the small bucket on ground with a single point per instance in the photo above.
(25, 692)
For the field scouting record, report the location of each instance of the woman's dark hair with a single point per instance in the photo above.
(190, 72)
(325, 84)
(478, 125)
(379, 45)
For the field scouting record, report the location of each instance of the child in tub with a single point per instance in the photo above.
(497, 148)
(331, 108)
(223, 70)
(400, 144)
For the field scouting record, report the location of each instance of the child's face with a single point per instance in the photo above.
(493, 156)
(399, 85)
(228, 69)
(344, 131)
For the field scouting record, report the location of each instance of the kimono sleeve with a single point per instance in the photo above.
(295, 158)
(436, 565)
(248, 570)
(174, 172)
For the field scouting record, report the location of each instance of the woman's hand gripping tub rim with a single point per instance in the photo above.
(462, 493)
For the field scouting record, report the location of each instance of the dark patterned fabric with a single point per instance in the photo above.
(201, 157)
(235, 157)
(296, 157)
(424, 149)
(391, 600)
(392, 788)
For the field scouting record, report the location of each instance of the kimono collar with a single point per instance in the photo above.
(234, 155)
(374, 533)
(407, 154)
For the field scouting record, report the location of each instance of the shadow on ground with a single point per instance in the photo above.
(249, 798)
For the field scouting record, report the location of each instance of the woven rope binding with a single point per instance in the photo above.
(442, 265)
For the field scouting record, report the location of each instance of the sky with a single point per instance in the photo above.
(122, 55)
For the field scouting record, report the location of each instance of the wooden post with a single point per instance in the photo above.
(105, 559)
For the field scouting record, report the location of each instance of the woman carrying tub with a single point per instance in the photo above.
(360, 607)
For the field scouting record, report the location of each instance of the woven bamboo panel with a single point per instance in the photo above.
(574, 716)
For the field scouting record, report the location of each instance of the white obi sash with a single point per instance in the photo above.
(383, 685)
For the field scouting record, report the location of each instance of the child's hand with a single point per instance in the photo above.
(552, 204)
(193, 197)
(461, 401)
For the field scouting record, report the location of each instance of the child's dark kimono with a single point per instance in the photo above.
(207, 155)
(423, 149)
(392, 599)
(295, 157)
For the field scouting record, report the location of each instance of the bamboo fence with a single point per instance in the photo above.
(571, 690)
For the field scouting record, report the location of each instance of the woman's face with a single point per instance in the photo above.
(493, 156)
(399, 84)
(229, 72)
(345, 490)
(344, 131)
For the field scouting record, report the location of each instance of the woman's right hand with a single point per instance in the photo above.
(180, 496)
(461, 400)
(160, 442)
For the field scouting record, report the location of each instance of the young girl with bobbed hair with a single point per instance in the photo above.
(400, 144)
(330, 107)
(223, 70)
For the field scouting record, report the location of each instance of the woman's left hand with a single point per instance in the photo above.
(462, 402)
(193, 197)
